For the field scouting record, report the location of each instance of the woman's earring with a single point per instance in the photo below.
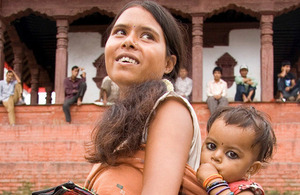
(249, 176)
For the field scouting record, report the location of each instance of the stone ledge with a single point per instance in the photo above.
(90, 113)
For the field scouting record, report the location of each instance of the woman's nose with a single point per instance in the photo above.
(129, 42)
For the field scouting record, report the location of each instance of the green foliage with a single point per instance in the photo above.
(25, 189)
(275, 192)
(6, 193)
(272, 192)
(291, 193)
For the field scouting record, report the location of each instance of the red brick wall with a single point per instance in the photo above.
(44, 150)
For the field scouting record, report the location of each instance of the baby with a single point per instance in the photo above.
(239, 140)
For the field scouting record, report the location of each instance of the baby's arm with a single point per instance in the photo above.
(207, 170)
(208, 176)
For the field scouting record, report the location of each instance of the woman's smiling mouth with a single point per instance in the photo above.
(127, 60)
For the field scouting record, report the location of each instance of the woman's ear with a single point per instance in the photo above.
(255, 167)
(171, 61)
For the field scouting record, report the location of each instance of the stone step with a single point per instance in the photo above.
(53, 114)
(44, 150)
(42, 174)
(41, 133)
(37, 151)
(90, 113)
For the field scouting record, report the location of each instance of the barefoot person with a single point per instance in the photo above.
(245, 86)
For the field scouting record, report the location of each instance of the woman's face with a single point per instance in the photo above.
(136, 50)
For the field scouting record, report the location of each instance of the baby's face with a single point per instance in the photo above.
(228, 148)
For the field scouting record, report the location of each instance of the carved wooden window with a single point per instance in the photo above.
(227, 63)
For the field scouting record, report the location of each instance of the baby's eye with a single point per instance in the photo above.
(211, 146)
(232, 155)
(147, 36)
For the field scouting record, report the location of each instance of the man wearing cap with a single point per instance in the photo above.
(245, 86)
(287, 87)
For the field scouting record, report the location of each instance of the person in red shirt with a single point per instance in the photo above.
(74, 90)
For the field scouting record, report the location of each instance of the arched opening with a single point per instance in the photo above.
(39, 36)
(286, 40)
(236, 33)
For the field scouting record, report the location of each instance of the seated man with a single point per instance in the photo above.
(183, 84)
(11, 94)
(287, 87)
(298, 96)
(245, 86)
(216, 91)
(74, 90)
(109, 91)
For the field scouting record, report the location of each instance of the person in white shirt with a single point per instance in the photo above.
(216, 91)
(183, 84)
(109, 91)
(11, 94)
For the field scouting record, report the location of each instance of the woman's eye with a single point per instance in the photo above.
(147, 36)
(119, 32)
(211, 146)
(232, 155)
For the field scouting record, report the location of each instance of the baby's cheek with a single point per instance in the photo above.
(204, 159)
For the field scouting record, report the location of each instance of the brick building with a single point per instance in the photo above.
(35, 39)
(42, 39)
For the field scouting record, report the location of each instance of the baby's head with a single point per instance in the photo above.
(239, 140)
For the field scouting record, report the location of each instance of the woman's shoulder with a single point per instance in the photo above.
(173, 106)
(175, 100)
(180, 106)
(172, 95)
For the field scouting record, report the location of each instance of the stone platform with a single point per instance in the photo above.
(46, 151)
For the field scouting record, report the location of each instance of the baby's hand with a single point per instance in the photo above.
(204, 171)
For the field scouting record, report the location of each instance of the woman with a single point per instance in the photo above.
(149, 141)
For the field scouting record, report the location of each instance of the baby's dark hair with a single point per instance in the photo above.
(249, 118)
